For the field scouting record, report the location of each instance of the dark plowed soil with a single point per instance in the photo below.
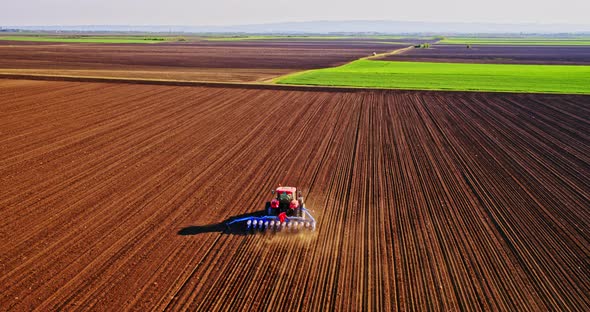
(210, 61)
(113, 197)
(498, 54)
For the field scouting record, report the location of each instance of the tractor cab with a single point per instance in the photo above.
(286, 200)
(285, 193)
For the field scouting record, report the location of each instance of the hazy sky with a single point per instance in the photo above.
(232, 12)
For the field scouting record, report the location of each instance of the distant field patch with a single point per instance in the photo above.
(450, 76)
(89, 39)
(517, 41)
(241, 38)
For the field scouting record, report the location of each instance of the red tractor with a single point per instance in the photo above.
(285, 202)
(285, 212)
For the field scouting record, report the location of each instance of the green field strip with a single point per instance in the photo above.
(568, 79)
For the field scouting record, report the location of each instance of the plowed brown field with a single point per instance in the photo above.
(198, 61)
(498, 54)
(112, 195)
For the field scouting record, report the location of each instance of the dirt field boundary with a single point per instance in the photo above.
(238, 85)
(381, 55)
(165, 82)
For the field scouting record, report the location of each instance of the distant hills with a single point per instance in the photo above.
(331, 27)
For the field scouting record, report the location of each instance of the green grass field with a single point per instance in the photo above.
(89, 39)
(449, 76)
(518, 41)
